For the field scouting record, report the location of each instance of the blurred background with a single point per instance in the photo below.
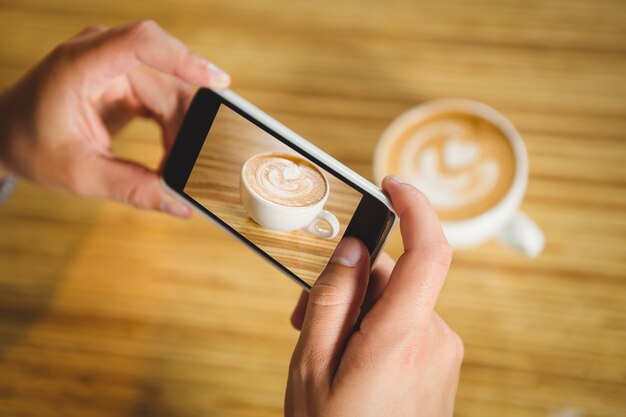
(109, 311)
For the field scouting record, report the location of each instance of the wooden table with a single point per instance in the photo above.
(108, 311)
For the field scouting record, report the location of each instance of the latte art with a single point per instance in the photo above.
(462, 163)
(285, 179)
(452, 174)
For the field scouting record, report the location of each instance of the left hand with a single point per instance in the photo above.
(56, 123)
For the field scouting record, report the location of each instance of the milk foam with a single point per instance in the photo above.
(453, 175)
(285, 180)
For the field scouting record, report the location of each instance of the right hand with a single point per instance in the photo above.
(403, 359)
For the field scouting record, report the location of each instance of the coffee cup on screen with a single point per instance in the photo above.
(471, 163)
(285, 192)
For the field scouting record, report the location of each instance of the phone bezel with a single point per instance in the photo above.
(372, 211)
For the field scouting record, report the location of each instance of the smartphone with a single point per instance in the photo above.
(270, 188)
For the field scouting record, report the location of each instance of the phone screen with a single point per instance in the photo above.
(279, 200)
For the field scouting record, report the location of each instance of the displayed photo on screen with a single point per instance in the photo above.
(291, 209)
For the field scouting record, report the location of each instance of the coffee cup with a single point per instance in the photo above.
(284, 192)
(471, 163)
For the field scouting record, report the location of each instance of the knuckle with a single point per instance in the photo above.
(96, 28)
(299, 369)
(325, 294)
(453, 346)
(62, 52)
(144, 28)
(367, 354)
(304, 365)
(131, 194)
(408, 346)
(411, 353)
(460, 348)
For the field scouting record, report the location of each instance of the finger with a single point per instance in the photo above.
(90, 30)
(378, 281)
(127, 183)
(419, 224)
(164, 97)
(297, 317)
(418, 276)
(119, 50)
(333, 306)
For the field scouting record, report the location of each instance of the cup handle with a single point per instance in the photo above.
(326, 217)
(523, 234)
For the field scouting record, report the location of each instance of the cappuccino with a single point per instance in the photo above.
(462, 162)
(285, 179)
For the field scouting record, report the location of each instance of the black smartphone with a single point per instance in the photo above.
(276, 192)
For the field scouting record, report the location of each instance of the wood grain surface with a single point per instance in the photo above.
(215, 181)
(109, 311)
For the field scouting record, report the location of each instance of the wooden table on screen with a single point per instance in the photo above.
(108, 311)
(215, 181)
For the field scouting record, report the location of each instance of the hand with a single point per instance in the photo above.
(56, 123)
(402, 360)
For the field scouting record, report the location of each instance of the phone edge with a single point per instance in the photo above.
(301, 142)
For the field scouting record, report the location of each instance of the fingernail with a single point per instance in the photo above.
(348, 253)
(395, 178)
(218, 78)
(176, 209)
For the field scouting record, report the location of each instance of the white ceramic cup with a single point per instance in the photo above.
(284, 218)
(503, 221)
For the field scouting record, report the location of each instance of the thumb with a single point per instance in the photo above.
(131, 184)
(334, 305)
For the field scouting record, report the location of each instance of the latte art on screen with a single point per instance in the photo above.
(285, 179)
(462, 163)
